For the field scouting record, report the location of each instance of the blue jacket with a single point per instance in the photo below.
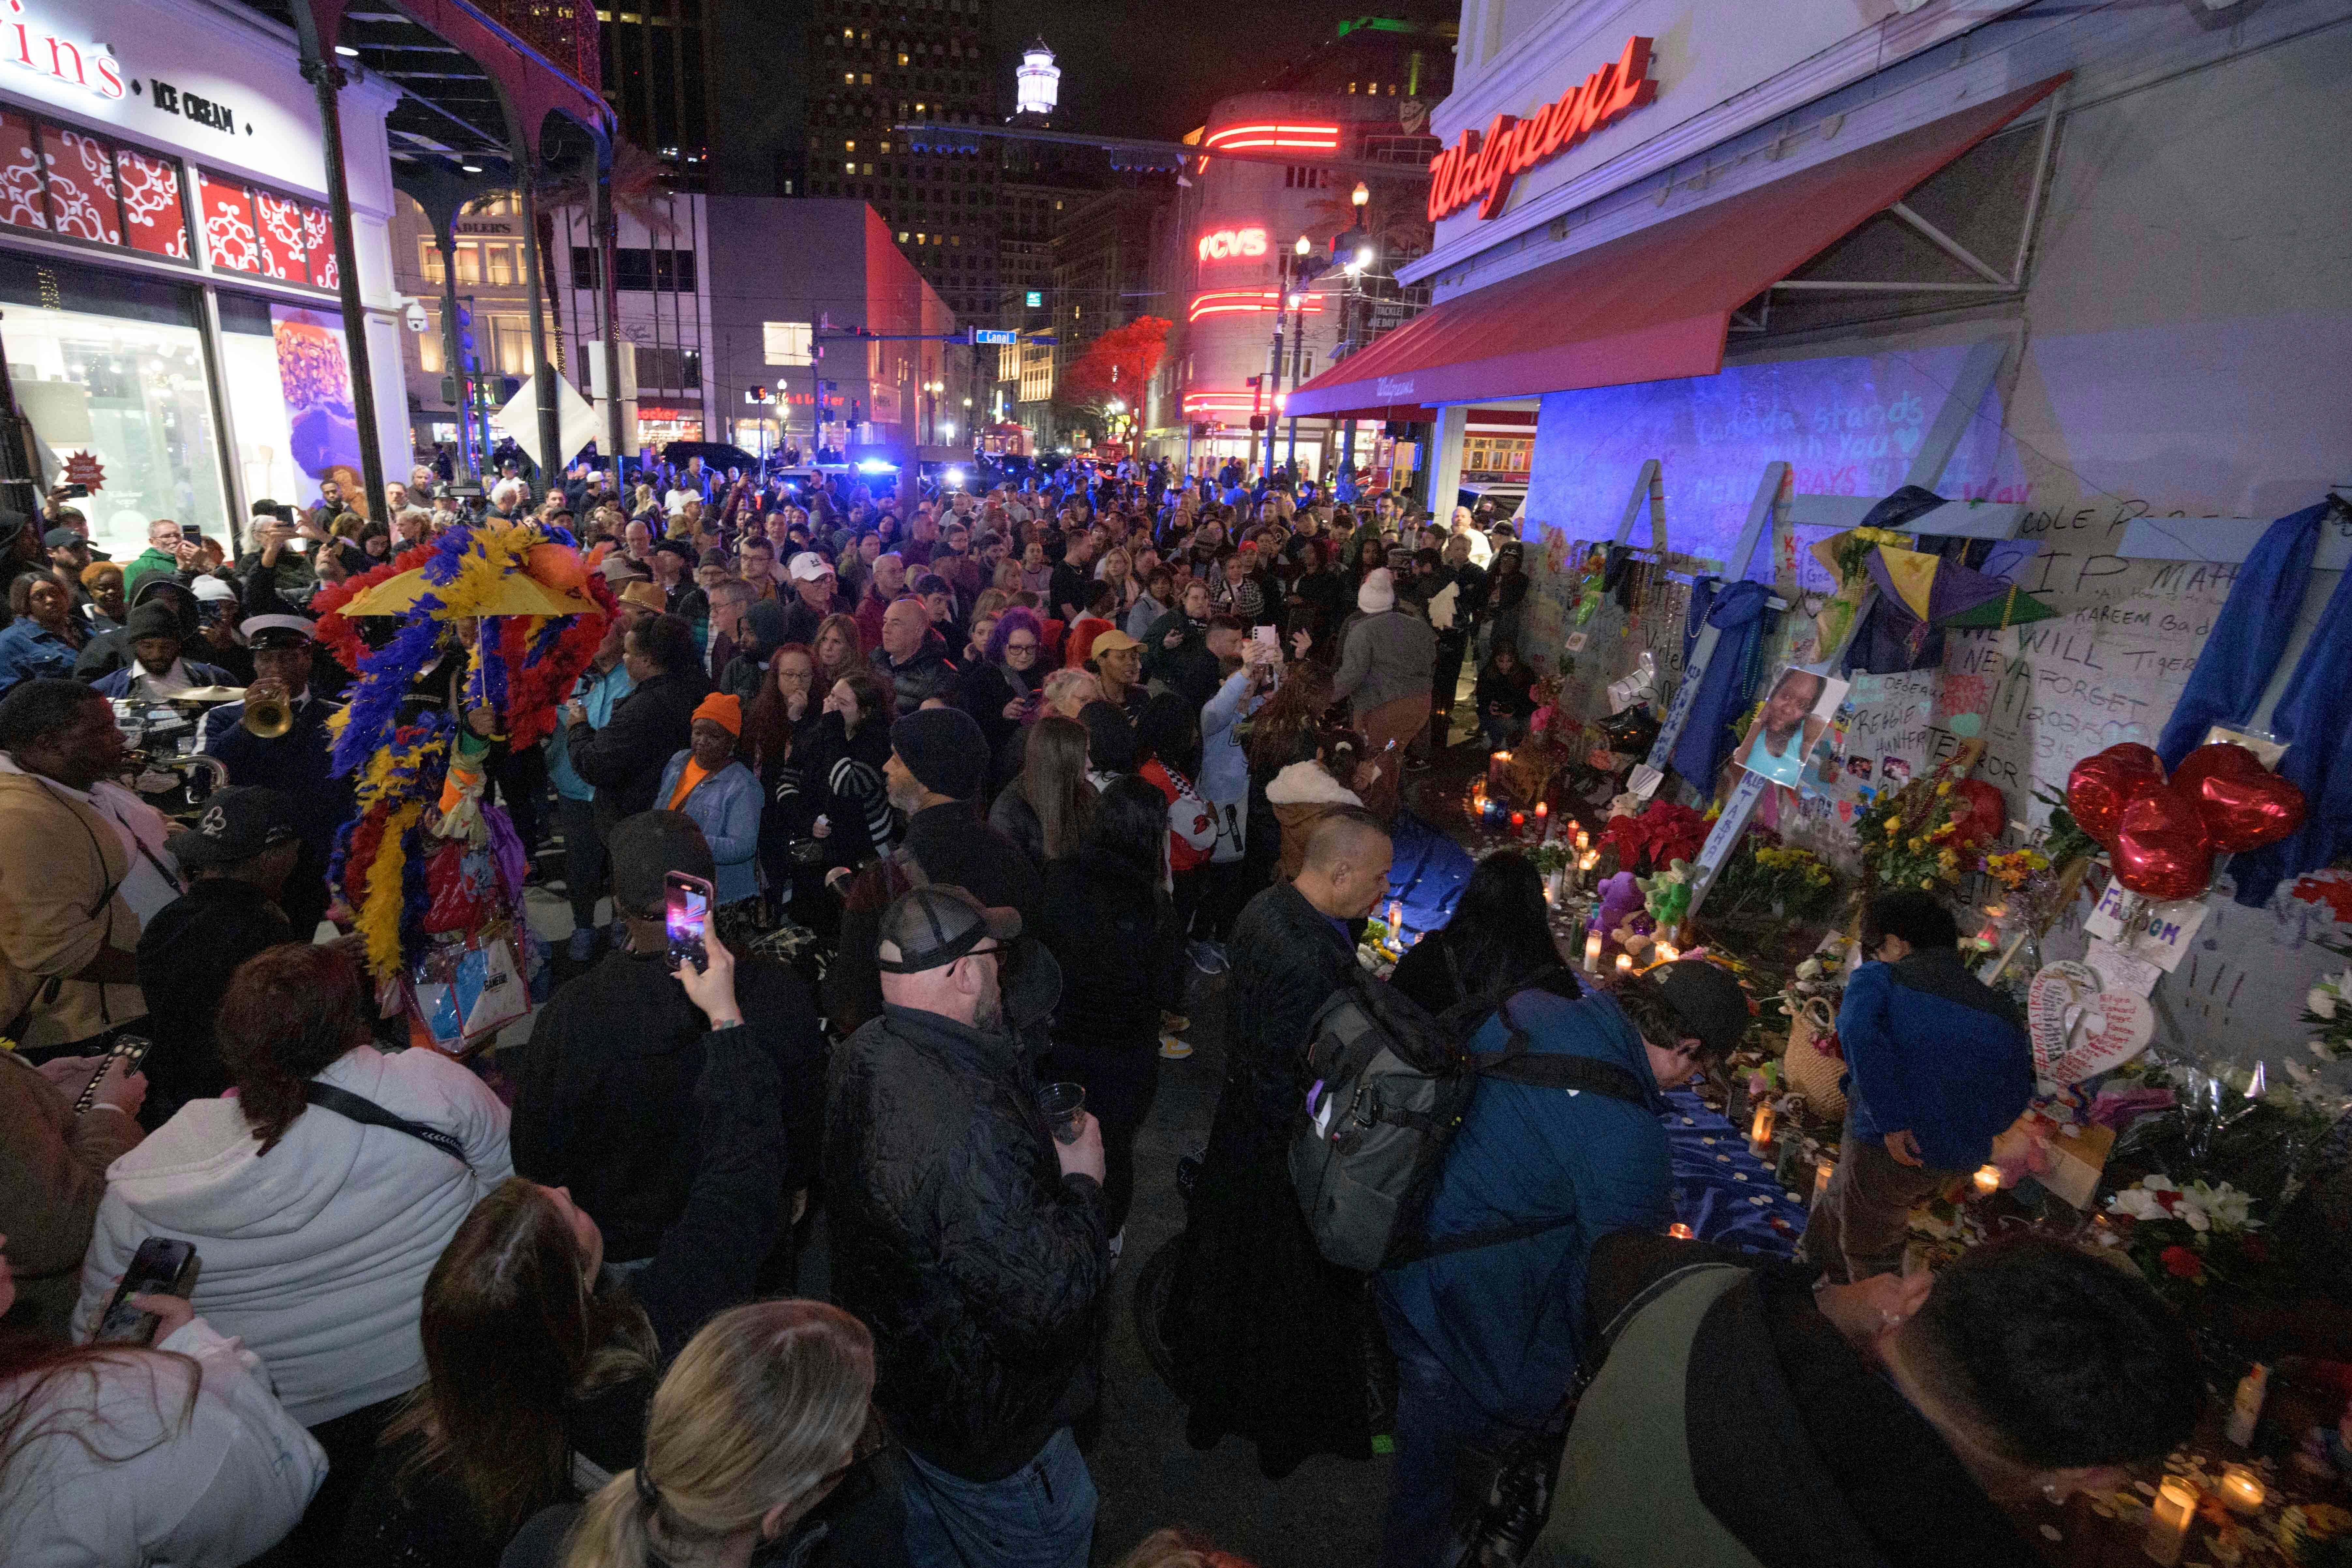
(598, 694)
(29, 653)
(118, 683)
(1509, 1320)
(726, 806)
(1933, 1051)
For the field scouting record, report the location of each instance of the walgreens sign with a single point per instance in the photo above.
(1480, 166)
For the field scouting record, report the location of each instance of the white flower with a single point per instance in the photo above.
(2320, 999)
(2143, 1202)
(2229, 1209)
(1809, 970)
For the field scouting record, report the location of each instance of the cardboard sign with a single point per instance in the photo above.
(2159, 933)
(2119, 971)
(2079, 1031)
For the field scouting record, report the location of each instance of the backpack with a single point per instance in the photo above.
(1391, 1086)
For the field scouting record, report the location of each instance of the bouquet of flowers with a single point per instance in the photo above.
(1924, 834)
(2328, 1008)
(1658, 836)
(2186, 1239)
(1765, 874)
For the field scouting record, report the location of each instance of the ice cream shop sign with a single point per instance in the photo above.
(27, 45)
(1480, 165)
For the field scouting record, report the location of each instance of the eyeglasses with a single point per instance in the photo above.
(1020, 647)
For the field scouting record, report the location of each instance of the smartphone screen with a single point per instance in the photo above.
(686, 904)
(162, 1267)
(132, 1049)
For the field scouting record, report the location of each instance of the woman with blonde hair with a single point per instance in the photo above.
(837, 649)
(760, 1418)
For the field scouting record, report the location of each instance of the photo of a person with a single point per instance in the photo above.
(1795, 712)
(1859, 768)
(1895, 770)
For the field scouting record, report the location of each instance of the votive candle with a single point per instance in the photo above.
(1583, 841)
(1625, 963)
(1592, 953)
(1988, 1180)
(2242, 1489)
(1759, 1131)
(1679, 1231)
(2167, 1526)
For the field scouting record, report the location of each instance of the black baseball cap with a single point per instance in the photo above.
(931, 927)
(646, 847)
(238, 823)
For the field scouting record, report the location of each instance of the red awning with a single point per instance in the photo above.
(1652, 306)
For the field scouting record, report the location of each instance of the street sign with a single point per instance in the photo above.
(1036, 300)
(1002, 337)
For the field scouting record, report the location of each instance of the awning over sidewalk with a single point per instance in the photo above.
(1652, 306)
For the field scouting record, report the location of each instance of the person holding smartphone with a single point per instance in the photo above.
(53, 1168)
(200, 1465)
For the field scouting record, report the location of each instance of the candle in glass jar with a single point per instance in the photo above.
(1759, 1131)
(1625, 963)
(2167, 1526)
(1988, 1180)
(1679, 1231)
(1593, 952)
(2242, 1489)
(1668, 953)
(1821, 1174)
(1583, 841)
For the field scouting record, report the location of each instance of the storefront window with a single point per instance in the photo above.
(248, 229)
(88, 187)
(115, 367)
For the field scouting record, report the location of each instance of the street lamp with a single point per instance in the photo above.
(1362, 196)
(1303, 249)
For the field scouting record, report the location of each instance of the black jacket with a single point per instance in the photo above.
(983, 693)
(1113, 930)
(649, 726)
(1268, 1339)
(953, 845)
(928, 674)
(187, 951)
(832, 774)
(957, 1240)
(604, 1098)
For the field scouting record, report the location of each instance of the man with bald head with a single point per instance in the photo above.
(912, 659)
(1262, 1328)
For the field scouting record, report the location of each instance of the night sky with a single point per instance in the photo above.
(1152, 67)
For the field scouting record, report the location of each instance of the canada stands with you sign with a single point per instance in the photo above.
(1480, 166)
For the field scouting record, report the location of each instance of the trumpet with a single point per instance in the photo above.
(267, 717)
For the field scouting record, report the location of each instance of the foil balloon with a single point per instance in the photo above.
(2102, 784)
(2245, 805)
(2163, 849)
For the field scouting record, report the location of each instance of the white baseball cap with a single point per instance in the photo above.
(808, 566)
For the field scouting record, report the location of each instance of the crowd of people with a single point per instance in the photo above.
(1020, 765)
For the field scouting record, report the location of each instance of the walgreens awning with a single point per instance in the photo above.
(1652, 306)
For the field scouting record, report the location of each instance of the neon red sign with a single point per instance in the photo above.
(1480, 167)
(1298, 138)
(1228, 301)
(1218, 244)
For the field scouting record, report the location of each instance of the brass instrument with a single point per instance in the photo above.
(267, 717)
(174, 786)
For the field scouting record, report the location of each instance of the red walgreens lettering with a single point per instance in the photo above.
(1481, 167)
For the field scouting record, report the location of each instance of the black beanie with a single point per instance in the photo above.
(944, 749)
(155, 618)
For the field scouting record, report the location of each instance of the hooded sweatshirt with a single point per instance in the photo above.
(1302, 795)
(316, 1254)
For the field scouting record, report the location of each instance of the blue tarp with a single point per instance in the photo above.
(1427, 873)
(1723, 1192)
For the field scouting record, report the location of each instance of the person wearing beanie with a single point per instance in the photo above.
(721, 795)
(1385, 660)
(155, 632)
(937, 776)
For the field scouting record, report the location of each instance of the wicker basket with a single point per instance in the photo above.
(1811, 1071)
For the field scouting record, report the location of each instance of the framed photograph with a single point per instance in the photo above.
(1797, 711)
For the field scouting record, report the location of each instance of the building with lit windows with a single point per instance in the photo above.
(1276, 166)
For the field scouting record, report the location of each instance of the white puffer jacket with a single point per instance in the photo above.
(315, 1254)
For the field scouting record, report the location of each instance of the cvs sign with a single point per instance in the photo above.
(1218, 244)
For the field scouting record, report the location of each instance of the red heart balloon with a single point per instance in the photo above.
(2245, 805)
(2102, 784)
(2162, 847)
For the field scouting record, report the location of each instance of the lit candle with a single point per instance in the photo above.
(1821, 1174)
(1759, 1131)
(1668, 953)
(1988, 1180)
(1543, 810)
(2242, 1489)
(1625, 963)
(1679, 1231)
(1592, 953)
(1591, 859)
(2167, 1527)
(1518, 820)
(1583, 841)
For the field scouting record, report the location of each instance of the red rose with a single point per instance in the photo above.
(2181, 1263)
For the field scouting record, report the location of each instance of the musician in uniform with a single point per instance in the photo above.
(293, 760)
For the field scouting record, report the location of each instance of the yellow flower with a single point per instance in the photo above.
(1928, 883)
(1943, 788)
(1893, 826)
(1918, 844)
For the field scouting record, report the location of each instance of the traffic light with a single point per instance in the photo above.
(466, 354)
(755, 395)
(1258, 423)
